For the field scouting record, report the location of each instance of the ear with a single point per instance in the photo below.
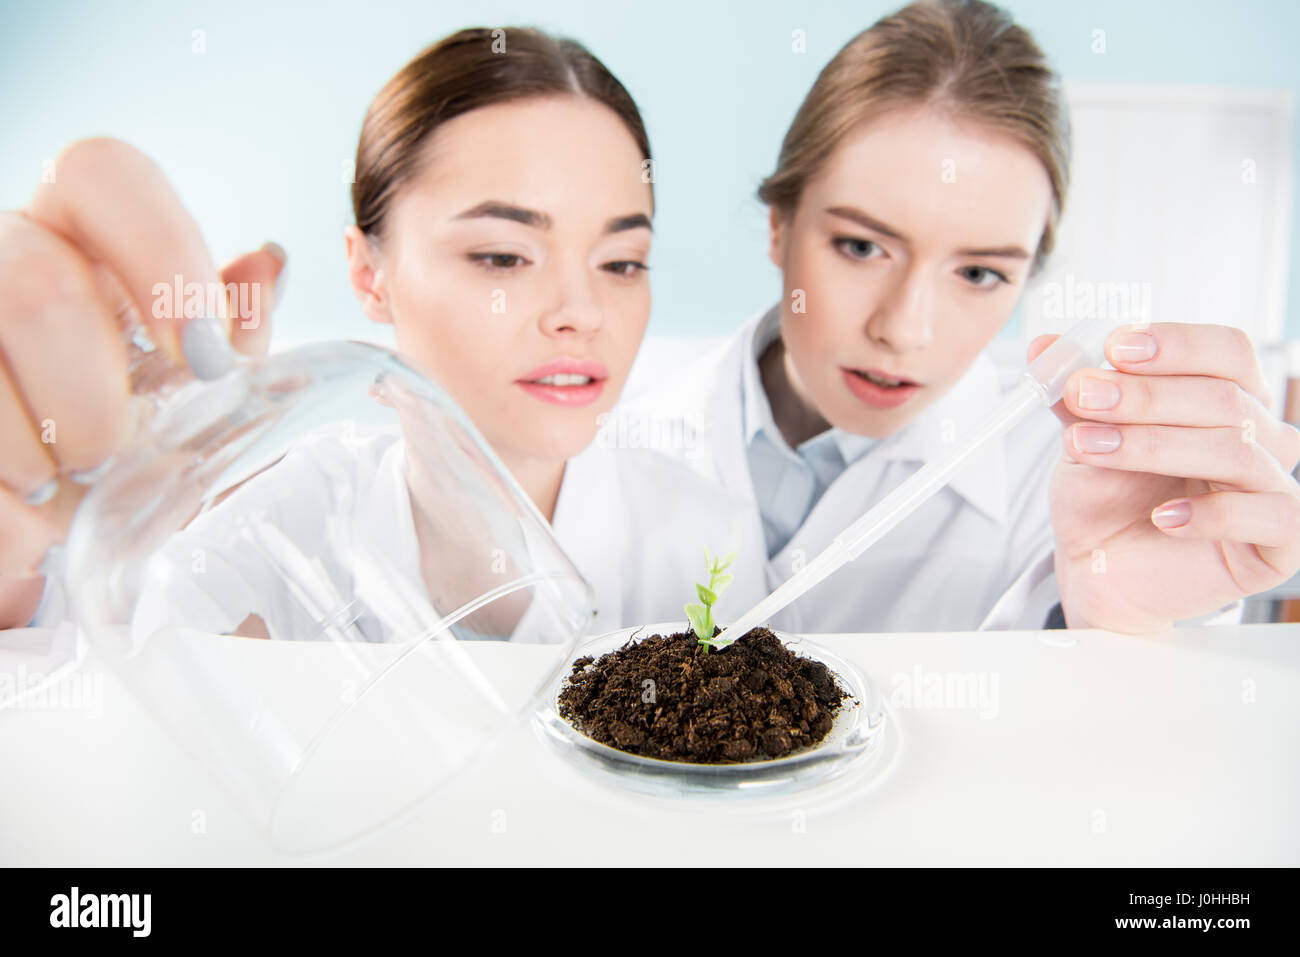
(367, 278)
(776, 237)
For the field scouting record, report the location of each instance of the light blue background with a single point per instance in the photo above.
(254, 132)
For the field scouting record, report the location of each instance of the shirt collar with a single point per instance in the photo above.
(936, 429)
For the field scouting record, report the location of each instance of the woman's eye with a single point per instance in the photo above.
(626, 268)
(857, 248)
(498, 262)
(981, 276)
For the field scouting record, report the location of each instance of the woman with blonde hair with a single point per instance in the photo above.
(918, 189)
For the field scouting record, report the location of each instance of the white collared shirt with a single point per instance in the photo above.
(787, 482)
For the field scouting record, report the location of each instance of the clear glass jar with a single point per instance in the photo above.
(336, 502)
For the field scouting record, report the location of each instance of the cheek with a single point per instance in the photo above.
(626, 316)
(448, 327)
(834, 302)
(966, 324)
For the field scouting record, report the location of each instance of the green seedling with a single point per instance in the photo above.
(701, 614)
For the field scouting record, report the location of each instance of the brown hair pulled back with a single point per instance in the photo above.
(467, 70)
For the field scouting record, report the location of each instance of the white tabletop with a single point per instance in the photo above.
(1087, 748)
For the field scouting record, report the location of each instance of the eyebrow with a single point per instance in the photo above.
(621, 224)
(530, 217)
(1004, 252)
(863, 219)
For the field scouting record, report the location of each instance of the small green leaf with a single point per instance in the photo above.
(699, 616)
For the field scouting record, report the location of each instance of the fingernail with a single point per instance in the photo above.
(92, 475)
(1096, 438)
(1172, 514)
(1133, 347)
(206, 350)
(1097, 394)
(43, 494)
(277, 287)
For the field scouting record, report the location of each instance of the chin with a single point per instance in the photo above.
(872, 423)
(879, 429)
(553, 441)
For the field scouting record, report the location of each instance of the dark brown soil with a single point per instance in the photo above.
(752, 700)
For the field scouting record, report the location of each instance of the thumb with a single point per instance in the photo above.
(259, 284)
(1037, 346)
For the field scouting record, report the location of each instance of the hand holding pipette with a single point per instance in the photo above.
(1040, 386)
(1174, 497)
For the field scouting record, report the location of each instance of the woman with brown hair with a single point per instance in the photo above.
(503, 225)
(917, 190)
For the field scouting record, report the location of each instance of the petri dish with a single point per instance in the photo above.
(854, 742)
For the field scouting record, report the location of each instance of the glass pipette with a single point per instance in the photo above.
(1041, 385)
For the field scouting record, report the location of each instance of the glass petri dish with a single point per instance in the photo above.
(322, 582)
(855, 740)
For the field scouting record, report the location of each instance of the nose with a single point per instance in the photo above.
(903, 318)
(574, 308)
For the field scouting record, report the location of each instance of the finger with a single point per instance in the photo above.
(1104, 395)
(116, 300)
(1036, 348)
(254, 283)
(1189, 348)
(114, 204)
(1212, 455)
(25, 536)
(27, 466)
(1038, 345)
(62, 350)
(1268, 520)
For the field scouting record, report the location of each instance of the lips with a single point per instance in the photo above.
(884, 378)
(566, 382)
(860, 384)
